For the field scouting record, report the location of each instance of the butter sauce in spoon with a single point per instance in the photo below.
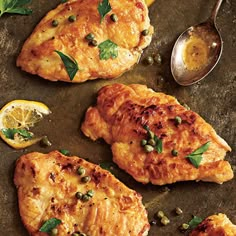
(197, 51)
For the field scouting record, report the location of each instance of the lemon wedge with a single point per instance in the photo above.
(149, 2)
(16, 118)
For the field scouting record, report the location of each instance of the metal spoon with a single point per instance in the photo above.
(189, 62)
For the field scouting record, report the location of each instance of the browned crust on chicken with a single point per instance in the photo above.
(38, 54)
(215, 225)
(119, 117)
(47, 184)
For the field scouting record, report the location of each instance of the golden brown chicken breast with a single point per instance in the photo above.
(215, 225)
(154, 138)
(102, 47)
(84, 197)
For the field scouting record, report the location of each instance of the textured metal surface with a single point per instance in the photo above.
(214, 98)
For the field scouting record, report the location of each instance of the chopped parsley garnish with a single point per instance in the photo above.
(108, 49)
(14, 6)
(196, 157)
(64, 152)
(10, 133)
(110, 166)
(70, 64)
(49, 225)
(103, 8)
(194, 222)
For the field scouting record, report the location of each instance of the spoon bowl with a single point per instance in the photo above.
(197, 51)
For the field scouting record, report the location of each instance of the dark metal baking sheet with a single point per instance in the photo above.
(214, 98)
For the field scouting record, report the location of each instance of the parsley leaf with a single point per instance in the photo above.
(103, 8)
(196, 157)
(108, 49)
(70, 64)
(9, 133)
(64, 152)
(110, 166)
(194, 222)
(14, 6)
(49, 225)
(158, 146)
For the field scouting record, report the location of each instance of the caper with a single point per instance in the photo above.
(55, 23)
(151, 134)
(79, 195)
(160, 214)
(174, 153)
(114, 17)
(165, 220)
(54, 232)
(152, 142)
(72, 18)
(45, 142)
(85, 198)
(93, 43)
(145, 32)
(178, 120)
(178, 211)
(157, 58)
(148, 148)
(85, 179)
(183, 227)
(143, 142)
(64, 152)
(149, 60)
(76, 234)
(186, 106)
(90, 193)
(81, 170)
(89, 37)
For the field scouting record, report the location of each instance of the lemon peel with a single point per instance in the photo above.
(21, 114)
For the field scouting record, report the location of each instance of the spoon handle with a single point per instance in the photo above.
(215, 11)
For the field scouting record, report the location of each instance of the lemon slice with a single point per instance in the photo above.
(149, 2)
(16, 118)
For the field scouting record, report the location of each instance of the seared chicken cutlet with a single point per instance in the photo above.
(84, 197)
(154, 138)
(215, 225)
(102, 47)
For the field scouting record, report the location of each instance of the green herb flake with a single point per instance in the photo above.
(108, 49)
(146, 128)
(14, 6)
(194, 222)
(64, 152)
(159, 145)
(103, 8)
(110, 166)
(49, 225)
(70, 64)
(196, 157)
(63, 1)
(10, 133)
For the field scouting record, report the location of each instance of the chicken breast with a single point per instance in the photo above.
(123, 115)
(130, 30)
(51, 186)
(215, 225)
